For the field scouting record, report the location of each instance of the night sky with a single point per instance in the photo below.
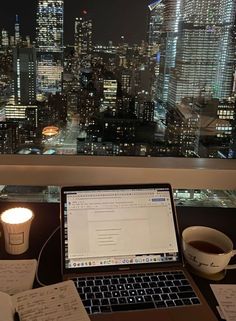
(111, 19)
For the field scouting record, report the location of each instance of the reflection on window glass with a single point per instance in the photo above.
(51, 194)
(112, 78)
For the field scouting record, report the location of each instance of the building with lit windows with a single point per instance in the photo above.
(168, 43)
(24, 69)
(4, 38)
(17, 31)
(204, 52)
(110, 95)
(156, 18)
(83, 39)
(8, 137)
(183, 130)
(49, 42)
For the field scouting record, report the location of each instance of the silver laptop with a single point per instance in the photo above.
(120, 245)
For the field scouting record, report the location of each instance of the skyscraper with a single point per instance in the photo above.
(204, 52)
(24, 69)
(17, 30)
(168, 45)
(156, 19)
(83, 39)
(156, 15)
(49, 42)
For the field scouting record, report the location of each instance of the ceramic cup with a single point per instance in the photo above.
(207, 250)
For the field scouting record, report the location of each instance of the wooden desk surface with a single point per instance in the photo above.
(47, 219)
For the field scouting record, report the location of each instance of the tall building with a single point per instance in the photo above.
(110, 95)
(156, 18)
(4, 38)
(83, 34)
(24, 70)
(168, 45)
(17, 31)
(49, 43)
(8, 137)
(205, 51)
(83, 39)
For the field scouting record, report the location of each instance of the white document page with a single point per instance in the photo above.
(17, 275)
(226, 297)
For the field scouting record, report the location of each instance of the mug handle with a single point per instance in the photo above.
(231, 266)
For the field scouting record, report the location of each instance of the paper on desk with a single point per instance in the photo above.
(17, 275)
(226, 297)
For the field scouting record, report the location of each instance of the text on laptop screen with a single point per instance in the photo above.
(119, 227)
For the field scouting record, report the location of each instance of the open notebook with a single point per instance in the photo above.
(120, 245)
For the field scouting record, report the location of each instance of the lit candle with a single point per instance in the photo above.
(16, 215)
(16, 224)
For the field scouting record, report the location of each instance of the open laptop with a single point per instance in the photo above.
(120, 245)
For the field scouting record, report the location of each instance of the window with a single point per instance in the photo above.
(152, 84)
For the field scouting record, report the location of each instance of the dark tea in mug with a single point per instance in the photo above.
(206, 247)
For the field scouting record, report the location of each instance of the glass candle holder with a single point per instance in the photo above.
(16, 224)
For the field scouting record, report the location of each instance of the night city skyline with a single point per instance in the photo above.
(112, 19)
(118, 79)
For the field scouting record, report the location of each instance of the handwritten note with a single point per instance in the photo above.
(226, 297)
(17, 275)
(57, 302)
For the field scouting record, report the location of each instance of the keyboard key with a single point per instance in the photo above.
(139, 299)
(114, 301)
(99, 295)
(95, 302)
(156, 297)
(130, 299)
(122, 300)
(160, 304)
(170, 303)
(147, 298)
(105, 302)
(98, 282)
(87, 303)
(195, 301)
(115, 293)
(95, 309)
(185, 288)
(105, 308)
(178, 302)
(141, 292)
(128, 286)
(187, 301)
(88, 310)
(90, 295)
(186, 295)
(137, 306)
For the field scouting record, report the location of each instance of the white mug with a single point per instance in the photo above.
(207, 250)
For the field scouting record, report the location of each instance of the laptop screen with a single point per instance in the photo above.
(122, 225)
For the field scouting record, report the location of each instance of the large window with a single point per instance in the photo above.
(118, 78)
(150, 80)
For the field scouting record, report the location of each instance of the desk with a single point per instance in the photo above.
(47, 218)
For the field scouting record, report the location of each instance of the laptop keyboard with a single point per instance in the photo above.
(137, 291)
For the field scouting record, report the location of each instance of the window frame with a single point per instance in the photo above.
(55, 170)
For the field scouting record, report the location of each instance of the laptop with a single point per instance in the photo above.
(121, 247)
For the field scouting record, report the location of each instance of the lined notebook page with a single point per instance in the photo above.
(57, 302)
(17, 275)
